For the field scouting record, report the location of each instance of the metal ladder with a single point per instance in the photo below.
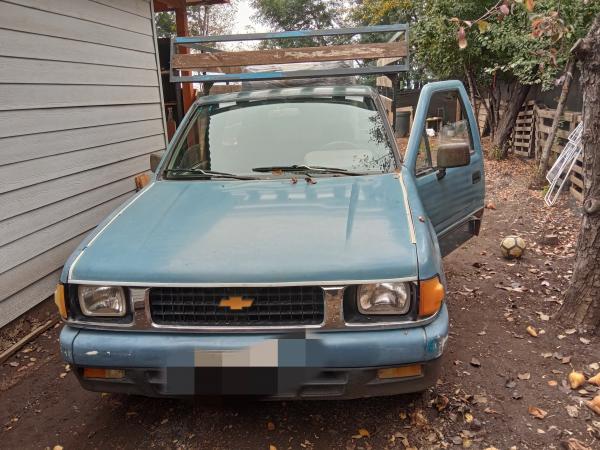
(560, 171)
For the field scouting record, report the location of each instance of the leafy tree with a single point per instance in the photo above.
(165, 24)
(381, 12)
(217, 19)
(506, 46)
(286, 15)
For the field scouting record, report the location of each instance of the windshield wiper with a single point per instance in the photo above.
(306, 169)
(208, 174)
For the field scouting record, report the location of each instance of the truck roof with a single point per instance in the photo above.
(292, 92)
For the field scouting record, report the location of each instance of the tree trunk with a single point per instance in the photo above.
(545, 156)
(506, 123)
(581, 306)
(471, 83)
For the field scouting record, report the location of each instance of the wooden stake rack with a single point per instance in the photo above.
(208, 64)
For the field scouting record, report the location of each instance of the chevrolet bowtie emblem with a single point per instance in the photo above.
(236, 303)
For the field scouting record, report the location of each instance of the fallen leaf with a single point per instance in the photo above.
(576, 379)
(475, 362)
(574, 444)
(571, 331)
(524, 376)
(595, 379)
(565, 359)
(361, 434)
(62, 375)
(536, 412)
(594, 404)
(584, 340)
(419, 419)
(468, 417)
(532, 331)
(441, 402)
(552, 383)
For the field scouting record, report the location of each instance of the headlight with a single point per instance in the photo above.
(102, 300)
(384, 298)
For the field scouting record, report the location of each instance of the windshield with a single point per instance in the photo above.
(345, 133)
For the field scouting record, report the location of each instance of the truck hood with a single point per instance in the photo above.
(341, 229)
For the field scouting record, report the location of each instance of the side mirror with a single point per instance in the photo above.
(456, 154)
(155, 160)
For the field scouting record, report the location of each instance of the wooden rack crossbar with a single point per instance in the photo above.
(230, 66)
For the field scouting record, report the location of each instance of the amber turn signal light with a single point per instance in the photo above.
(59, 300)
(94, 372)
(431, 295)
(413, 370)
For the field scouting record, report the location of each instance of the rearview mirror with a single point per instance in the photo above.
(456, 154)
(155, 160)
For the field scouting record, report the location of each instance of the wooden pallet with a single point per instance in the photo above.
(523, 135)
(569, 121)
(576, 180)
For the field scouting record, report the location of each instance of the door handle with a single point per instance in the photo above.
(476, 177)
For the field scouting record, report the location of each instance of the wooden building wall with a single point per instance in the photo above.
(80, 111)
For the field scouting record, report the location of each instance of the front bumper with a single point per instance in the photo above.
(340, 364)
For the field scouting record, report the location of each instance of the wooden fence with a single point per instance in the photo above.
(530, 135)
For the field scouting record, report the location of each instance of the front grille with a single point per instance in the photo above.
(295, 305)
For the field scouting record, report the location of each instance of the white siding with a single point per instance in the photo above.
(80, 111)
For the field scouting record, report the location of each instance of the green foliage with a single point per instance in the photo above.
(528, 41)
(380, 12)
(286, 15)
(434, 39)
(165, 24)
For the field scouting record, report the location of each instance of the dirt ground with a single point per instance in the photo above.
(494, 373)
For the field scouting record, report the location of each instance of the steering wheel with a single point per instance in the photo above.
(337, 145)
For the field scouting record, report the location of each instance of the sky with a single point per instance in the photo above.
(243, 22)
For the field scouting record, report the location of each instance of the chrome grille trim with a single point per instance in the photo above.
(333, 320)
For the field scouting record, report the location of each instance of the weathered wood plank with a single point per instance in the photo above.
(26, 299)
(36, 96)
(26, 71)
(18, 123)
(93, 12)
(18, 278)
(21, 18)
(139, 7)
(27, 173)
(28, 223)
(35, 46)
(27, 199)
(577, 181)
(290, 55)
(22, 250)
(23, 148)
(577, 194)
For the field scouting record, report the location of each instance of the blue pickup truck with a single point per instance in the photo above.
(288, 246)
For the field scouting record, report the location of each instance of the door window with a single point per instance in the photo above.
(446, 122)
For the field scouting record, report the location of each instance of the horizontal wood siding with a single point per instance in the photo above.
(80, 112)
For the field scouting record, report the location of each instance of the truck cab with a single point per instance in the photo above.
(285, 248)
